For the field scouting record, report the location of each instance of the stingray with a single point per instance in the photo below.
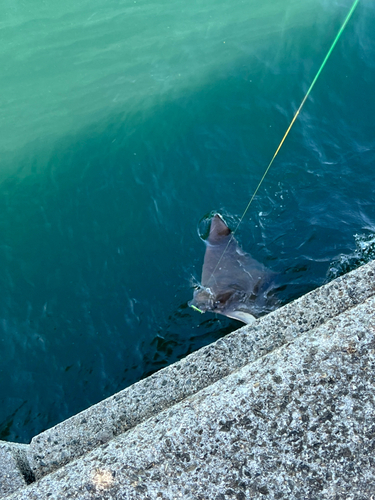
(233, 283)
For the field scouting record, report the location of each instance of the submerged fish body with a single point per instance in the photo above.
(233, 283)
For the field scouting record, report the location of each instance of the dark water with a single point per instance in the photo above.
(122, 125)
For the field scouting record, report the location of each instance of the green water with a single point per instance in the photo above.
(122, 124)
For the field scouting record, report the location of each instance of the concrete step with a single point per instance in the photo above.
(15, 472)
(323, 322)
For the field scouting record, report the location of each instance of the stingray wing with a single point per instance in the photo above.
(226, 267)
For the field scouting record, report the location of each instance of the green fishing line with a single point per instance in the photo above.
(290, 126)
(196, 309)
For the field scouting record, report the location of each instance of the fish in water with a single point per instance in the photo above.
(233, 283)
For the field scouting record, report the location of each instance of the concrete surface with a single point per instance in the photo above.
(283, 408)
(15, 472)
(113, 416)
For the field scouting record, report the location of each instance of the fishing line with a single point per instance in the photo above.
(288, 130)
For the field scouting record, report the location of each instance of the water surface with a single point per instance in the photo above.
(122, 124)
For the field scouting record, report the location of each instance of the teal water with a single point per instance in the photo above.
(122, 125)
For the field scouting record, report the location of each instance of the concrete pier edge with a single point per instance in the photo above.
(114, 416)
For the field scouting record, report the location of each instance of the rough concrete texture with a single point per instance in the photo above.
(296, 423)
(11, 476)
(99, 424)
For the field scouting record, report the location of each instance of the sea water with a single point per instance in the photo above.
(122, 125)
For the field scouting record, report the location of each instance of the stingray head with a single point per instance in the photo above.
(203, 299)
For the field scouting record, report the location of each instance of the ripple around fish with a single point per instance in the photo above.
(364, 252)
